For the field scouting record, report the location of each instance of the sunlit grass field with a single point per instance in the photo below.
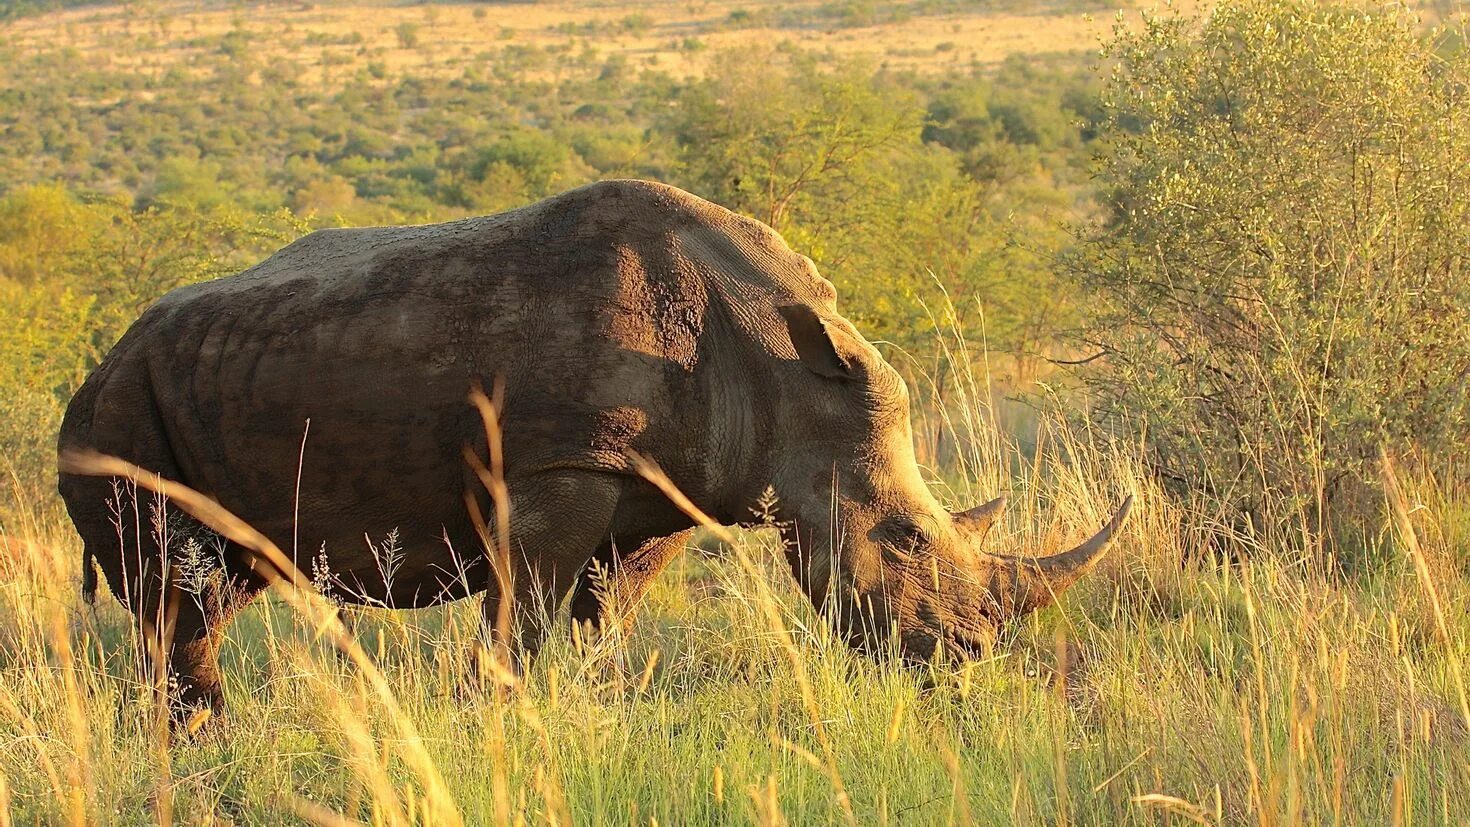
(1172, 687)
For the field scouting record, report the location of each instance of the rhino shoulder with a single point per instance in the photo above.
(623, 208)
(635, 194)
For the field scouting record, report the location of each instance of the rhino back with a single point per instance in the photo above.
(584, 305)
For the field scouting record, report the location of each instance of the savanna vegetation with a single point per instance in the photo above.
(1220, 264)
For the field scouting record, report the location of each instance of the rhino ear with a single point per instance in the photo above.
(813, 342)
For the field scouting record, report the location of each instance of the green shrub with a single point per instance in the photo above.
(73, 275)
(1283, 289)
(408, 35)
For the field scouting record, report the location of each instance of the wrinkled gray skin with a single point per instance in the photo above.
(622, 316)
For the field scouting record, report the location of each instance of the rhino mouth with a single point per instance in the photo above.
(928, 636)
(962, 645)
(950, 646)
(955, 637)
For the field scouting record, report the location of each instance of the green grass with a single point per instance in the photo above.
(1166, 689)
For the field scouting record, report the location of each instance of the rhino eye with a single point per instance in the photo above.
(901, 533)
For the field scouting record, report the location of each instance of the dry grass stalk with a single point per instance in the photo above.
(1399, 505)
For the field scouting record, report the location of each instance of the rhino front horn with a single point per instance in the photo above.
(1035, 582)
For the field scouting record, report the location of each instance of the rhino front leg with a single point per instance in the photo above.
(615, 580)
(557, 521)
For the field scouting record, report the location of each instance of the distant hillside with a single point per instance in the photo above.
(440, 39)
(11, 9)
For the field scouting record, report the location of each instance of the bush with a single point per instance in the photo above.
(73, 275)
(1283, 283)
(408, 35)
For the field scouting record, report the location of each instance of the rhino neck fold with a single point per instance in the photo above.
(808, 547)
(741, 444)
(823, 545)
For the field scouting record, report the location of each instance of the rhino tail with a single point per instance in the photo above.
(89, 575)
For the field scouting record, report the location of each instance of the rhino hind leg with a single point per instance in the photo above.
(189, 639)
(558, 520)
(181, 583)
(614, 581)
(181, 622)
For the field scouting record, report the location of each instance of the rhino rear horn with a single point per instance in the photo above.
(1035, 582)
(979, 520)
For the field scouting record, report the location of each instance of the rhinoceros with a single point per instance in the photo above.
(321, 396)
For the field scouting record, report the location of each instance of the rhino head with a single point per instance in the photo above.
(867, 541)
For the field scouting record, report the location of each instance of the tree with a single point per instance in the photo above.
(1283, 287)
(408, 34)
(768, 134)
(832, 156)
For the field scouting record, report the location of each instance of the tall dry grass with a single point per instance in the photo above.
(1180, 684)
